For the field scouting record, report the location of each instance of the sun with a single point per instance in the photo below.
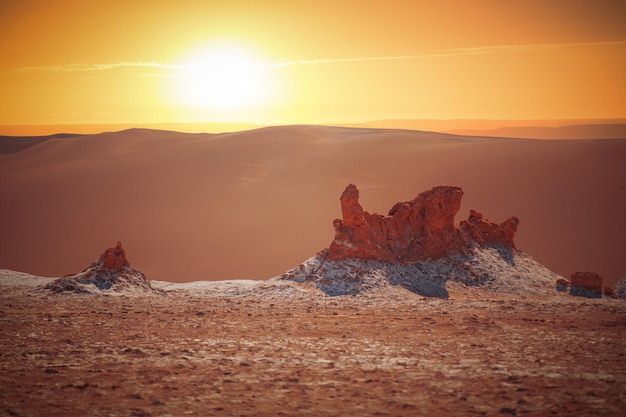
(220, 78)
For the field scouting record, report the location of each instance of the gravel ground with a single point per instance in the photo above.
(284, 349)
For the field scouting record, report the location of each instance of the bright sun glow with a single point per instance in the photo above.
(220, 78)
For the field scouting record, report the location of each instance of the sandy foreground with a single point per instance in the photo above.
(269, 348)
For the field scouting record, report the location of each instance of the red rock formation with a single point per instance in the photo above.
(114, 258)
(609, 292)
(482, 231)
(562, 284)
(422, 228)
(587, 284)
(562, 281)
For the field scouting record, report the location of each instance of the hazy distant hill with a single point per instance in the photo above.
(531, 129)
(10, 144)
(603, 131)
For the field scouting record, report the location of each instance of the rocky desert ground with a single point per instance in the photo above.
(402, 315)
(272, 348)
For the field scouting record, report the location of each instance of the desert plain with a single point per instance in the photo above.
(271, 348)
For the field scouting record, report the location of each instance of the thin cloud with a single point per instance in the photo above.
(80, 113)
(479, 50)
(494, 49)
(99, 67)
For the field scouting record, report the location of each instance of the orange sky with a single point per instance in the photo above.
(275, 62)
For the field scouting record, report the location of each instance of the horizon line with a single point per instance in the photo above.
(323, 123)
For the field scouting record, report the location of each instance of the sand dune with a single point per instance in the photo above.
(604, 131)
(253, 204)
(529, 129)
(10, 144)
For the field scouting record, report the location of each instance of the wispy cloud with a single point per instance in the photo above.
(497, 49)
(81, 114)
(99, 67)
(480, 50)
(166, 67)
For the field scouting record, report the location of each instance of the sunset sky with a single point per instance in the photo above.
(279, 62)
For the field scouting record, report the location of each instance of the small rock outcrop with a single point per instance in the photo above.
(422, 228)
(111, 273)
(586, 284)
(620, 288)
(562, 284)
(610, 292)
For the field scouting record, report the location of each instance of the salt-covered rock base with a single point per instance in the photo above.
(497, 269)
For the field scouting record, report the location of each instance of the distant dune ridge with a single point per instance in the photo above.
(9, 144)
(251, 204)
(604, 131)
(529, 129)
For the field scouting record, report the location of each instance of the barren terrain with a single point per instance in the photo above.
(278, 348)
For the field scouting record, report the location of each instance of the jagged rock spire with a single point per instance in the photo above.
(422, 228)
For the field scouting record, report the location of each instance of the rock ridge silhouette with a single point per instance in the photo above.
(422, 228)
